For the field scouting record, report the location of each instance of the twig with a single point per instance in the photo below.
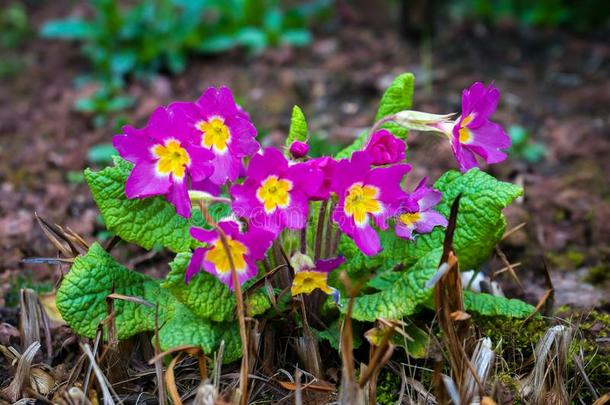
(245, 371)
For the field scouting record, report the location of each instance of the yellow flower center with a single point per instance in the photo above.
(274, 192)
(360, 201)
(410, 218)
(465, 134)
(305, 282)
(215, 134)
(173, 158)
(219, 257)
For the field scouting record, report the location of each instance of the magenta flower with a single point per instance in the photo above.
(327, 166)
(216, 123)
(385, 148)
(275, 194)
(164, 160)
(419, 217)
(474, 133)
(245, 249)
(364, 193)
(298, 149)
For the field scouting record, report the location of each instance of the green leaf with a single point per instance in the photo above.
(71, 28)
(480, 225)
(81, 300)
(206, 296)
(146, 221)
(401, 298)
(492, 305)
(298, 126)
(398, 97)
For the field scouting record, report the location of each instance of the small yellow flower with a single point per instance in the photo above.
(305, 282)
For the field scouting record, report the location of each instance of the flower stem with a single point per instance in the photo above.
(377, 125)
(243, 381)
(320, 230)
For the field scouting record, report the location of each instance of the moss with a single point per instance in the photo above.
(516, 337)
(595, 345)
(388, 387)
(598, 274)
(570, 260)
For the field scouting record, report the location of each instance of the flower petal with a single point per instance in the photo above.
(145, 182)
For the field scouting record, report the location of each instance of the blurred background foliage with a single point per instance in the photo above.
(141, 38)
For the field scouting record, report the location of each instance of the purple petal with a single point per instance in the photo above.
(194, 265)
(206, 186)
(204, 235)
(230, 228)
(428, 220)
(306, 177)
(295, 215)
(271, 161)
(388, 180)
(218, 102)
(145, 182)
(243, 134)
(178, 195)
(481, 101)
(328, 265)
(258, 242)
(201, 166)
(226, 168)
(134, 148)
(404, 231)
(365, 237)
(429, 199)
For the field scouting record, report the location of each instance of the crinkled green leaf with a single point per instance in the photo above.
(398, 97)
(81, 300)
(206, 296)
(492, 305)
(298, 126)
(186, 329)
(480, 225)
(146, 221)
(230, 335)
(403, 296)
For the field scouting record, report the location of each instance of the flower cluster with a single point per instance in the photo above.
(209, 145)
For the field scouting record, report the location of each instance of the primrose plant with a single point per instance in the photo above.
(258, 232)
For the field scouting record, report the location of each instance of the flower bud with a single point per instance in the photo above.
(384, 148)
(301, 262)
(299, 149)
(421, 121)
